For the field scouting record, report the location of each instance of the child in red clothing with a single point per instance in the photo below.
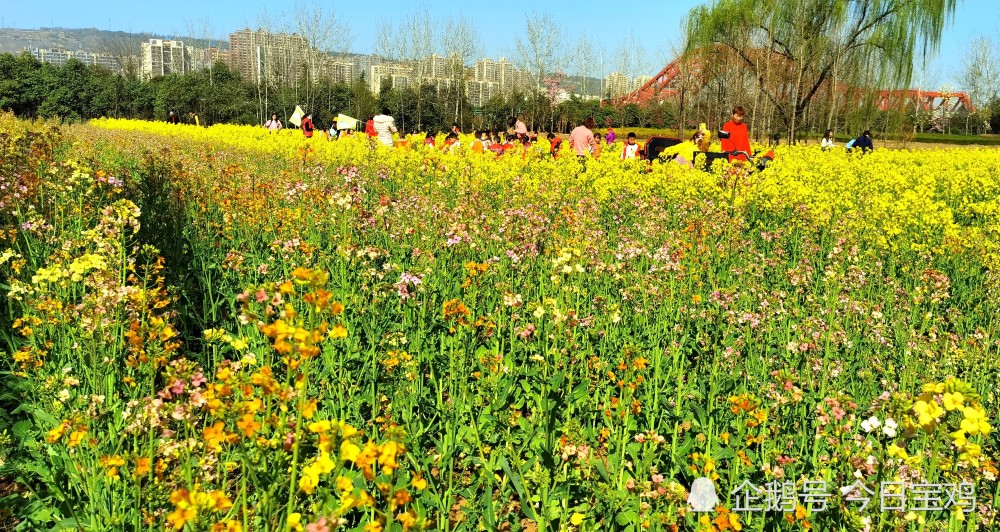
(554, 144)
(739, 136)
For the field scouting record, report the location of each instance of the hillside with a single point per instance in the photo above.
(90, 39)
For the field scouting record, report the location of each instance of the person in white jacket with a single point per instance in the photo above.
(385, 126)
(827, 142)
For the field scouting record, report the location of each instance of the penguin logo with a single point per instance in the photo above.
(703, 497)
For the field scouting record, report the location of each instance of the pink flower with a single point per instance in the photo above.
(318, 526)
(177, 387)
(198, 379)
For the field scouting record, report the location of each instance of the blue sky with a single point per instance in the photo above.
(498, 23)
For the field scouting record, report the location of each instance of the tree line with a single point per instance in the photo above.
(76, 92)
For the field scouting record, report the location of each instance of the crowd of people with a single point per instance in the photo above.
(583, 142)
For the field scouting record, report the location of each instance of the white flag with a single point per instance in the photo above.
(346, 122)
(297, 117)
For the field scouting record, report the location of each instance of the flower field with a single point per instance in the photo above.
(225, 329)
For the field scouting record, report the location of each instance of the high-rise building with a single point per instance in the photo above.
(436, 67)
(616, 84)
(398, 75)
(160, 57)
(639, 82)
(486, 70)
(202, 58)
(260, 56)
(363, 65)
(479, 92)
(59, 57)
(337, 70)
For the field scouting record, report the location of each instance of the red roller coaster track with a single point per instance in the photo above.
(664, 85)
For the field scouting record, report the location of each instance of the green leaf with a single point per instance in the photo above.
(518, 487)
(70, 524)
(22, 429)
(603, 470)
(724, 454)
(626, 517)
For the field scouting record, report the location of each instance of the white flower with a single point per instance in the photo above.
(870, 424)
(890, 428)
(63, 395)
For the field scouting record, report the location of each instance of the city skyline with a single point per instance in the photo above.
(287, 56)
(654, 30)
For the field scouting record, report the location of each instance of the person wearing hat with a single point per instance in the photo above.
(706, 137)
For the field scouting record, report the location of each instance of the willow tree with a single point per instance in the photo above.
(814, 41)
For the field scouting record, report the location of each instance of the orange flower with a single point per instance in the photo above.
(56, 434)
(218, 501)
(180, 516)
(214, 436)
(142, 466)
(248, 425)
(401, 497)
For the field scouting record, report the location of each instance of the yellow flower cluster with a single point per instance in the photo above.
(956, 407)
(899, 198)
(187, 505)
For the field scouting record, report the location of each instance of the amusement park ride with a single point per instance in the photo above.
(665, 85)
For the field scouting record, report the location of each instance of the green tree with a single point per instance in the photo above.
(814, 41)
(20, 89)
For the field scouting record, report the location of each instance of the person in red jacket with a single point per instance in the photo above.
(307, 126)
(739, 136)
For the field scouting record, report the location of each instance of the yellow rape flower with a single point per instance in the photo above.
(896, 451)
(309, 479)
(927, 413)
(975, 421)
(295, 521)
(309, 409)
(319, 427)
(349, 451)
(933, 387)
(324, 463)
(953, 401)
(338, 331)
